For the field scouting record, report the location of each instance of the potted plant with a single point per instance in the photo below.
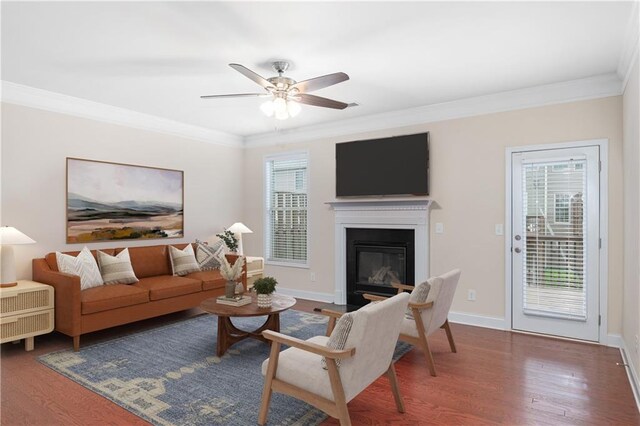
(230, 240)
(264, 287)
(231, 274)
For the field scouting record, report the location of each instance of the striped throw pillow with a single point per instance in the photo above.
(208, 255)
(183, 262)
(84, 265)
(339, 336)
(116, 269)
(418, 295)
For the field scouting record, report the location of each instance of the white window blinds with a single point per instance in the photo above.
(286, 209)
(554, 279)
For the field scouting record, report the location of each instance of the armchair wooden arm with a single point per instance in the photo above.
(373, 297)
(402, 287)
(420, 306)
(333, 317)
(308, 346)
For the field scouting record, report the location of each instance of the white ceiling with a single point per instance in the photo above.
(159, 57)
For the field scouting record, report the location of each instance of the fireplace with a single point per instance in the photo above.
(405, 215)
(376, 258)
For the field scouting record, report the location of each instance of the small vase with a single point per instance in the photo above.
(264, 300)
(230, 289)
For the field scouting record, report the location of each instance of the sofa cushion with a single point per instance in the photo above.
(51, 259)
(149, 261)
(210, 279)
(109, 297)
(167, 286)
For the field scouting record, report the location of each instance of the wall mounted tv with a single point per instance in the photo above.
(391, 166)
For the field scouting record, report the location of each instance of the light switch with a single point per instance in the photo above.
(439, 228)
(499, 229)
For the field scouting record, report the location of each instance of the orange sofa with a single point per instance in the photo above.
(157, 293)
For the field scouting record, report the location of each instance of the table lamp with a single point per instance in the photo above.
(10, 236)
(238, 229)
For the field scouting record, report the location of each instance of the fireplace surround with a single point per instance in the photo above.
(381, 214)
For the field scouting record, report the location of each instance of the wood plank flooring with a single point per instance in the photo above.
(496, 377)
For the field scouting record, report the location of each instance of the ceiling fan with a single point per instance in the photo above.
(286, 94)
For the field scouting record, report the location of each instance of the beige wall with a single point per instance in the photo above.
(631, 151)
(467, 181)
(35, 144)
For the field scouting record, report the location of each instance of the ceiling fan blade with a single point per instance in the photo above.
(236, 95)
(253, 76)
(305, 98)
(321, 82)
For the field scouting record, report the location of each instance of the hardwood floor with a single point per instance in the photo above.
(496, 377)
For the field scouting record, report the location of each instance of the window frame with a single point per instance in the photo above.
(266, 201)
(555, 207)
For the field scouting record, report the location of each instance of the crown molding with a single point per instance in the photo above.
(19, 94)
(575, 90)
(630, 47)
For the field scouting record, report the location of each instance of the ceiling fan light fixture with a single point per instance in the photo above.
(280, 108)
(267, 108)
(293, 108)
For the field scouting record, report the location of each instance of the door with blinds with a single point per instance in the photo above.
(555, 242)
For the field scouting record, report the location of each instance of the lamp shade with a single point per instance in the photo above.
(10, 236)
(239, 228)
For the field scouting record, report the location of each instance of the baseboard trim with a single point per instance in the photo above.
(309, 295)
(478, 320)
(632, 374)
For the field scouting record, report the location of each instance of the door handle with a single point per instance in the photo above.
(517, 250)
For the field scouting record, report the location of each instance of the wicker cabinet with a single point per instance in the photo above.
(26, 310)
(255, 269)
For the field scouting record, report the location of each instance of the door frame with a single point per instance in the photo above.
(603, 144)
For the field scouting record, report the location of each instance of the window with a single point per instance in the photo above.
(561, 205)
(286, 209)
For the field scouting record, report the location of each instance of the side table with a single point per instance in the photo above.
(26, 310)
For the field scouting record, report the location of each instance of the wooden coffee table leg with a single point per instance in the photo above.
(222, 337)
(228, 334)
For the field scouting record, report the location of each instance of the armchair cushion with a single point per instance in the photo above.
(339, 336)
(303, 369)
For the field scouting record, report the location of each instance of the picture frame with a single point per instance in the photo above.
(108, 201)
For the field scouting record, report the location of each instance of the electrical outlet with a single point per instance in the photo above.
(499, 229)
(439, 228)
(312, 276)
(471, 295)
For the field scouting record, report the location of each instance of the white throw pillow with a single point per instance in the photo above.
(84, 265)
(183, 262)
(116, 269)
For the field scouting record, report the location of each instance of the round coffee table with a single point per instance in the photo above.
(228, 334)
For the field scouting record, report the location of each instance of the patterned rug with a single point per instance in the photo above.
(171, 376)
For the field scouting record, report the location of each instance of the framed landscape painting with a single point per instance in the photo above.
(112, 201)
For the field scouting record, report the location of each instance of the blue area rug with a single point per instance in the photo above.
(171, 376)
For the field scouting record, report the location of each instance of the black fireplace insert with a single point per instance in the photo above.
(376, 258)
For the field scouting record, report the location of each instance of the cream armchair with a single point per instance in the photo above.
(367, 354)
(431, 315)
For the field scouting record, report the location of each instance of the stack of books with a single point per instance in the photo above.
(234, 301)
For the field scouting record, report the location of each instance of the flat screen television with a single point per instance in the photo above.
(391, 166)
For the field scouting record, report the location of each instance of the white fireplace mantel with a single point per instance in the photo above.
(384, 214)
